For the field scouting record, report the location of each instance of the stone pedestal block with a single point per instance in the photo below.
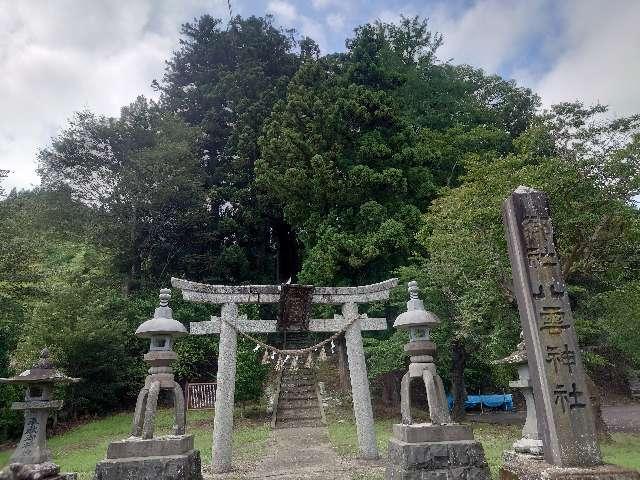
(453, 456)
(533, 467)
(155, 447)
(162, 458)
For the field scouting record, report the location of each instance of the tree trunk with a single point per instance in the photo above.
(343, 366)
(391, 387)
(458, 387)
(288, 264)
(133, 277)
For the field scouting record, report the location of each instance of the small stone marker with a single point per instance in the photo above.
(530, 442)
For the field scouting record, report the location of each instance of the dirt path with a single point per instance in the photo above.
(302, 453)
(622, 418)
(619, 418)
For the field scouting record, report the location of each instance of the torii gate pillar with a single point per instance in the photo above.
(230, 296)
(225, 391)
(360, 385)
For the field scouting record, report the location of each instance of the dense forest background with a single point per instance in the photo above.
(263, 160)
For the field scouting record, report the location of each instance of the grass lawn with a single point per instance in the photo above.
(79, 449)
(623, 450)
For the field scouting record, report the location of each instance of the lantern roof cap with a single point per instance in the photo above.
(43, 371)
(518, 357)
(162, 322)
(416, 315)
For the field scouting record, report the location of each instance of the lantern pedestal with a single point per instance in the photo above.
(165, 458)
(434, 452)
(520, 466)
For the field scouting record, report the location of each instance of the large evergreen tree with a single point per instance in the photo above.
(364, 140)
(225, 80)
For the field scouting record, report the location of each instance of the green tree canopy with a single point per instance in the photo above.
(356, 153)
(140, 174)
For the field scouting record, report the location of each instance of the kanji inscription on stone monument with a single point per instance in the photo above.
(565, 418)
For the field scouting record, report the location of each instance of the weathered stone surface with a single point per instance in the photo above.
(420, 347)
(200, 292)
(175, 467)
(426, 432)
(360, 385)
(155, 447)
(434, 460)
(225, 392)
(39, 471)
(348, 297)
(161, 330)
(270, 326)
(531, 467)
(32, 448)
(565, 417)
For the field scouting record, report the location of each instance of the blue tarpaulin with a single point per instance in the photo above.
(504, 401)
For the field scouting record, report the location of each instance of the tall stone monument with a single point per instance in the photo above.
(32, 459)
(143, 456)
(436, 450)
(565, 417)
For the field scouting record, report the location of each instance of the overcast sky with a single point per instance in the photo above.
(60, 56)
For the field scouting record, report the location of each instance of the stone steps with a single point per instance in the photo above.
(297, 398)
(297, 423)
(306, 413)
(298, 404)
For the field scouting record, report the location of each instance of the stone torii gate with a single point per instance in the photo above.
(230, 296)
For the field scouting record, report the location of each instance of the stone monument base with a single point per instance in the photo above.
(435, 452)
(161, 458)
(519, 466)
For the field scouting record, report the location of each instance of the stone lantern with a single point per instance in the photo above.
(530, 443)
(161, 330)
(32, 458)
(441, 448)
(421, 351)
(143, 456)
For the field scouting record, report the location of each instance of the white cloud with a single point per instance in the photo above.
(307, 26)
(491, 32)
(61, 56)
(282, 9)
(320, 4)
(336, 21)
(583, 49)
(599, 60)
